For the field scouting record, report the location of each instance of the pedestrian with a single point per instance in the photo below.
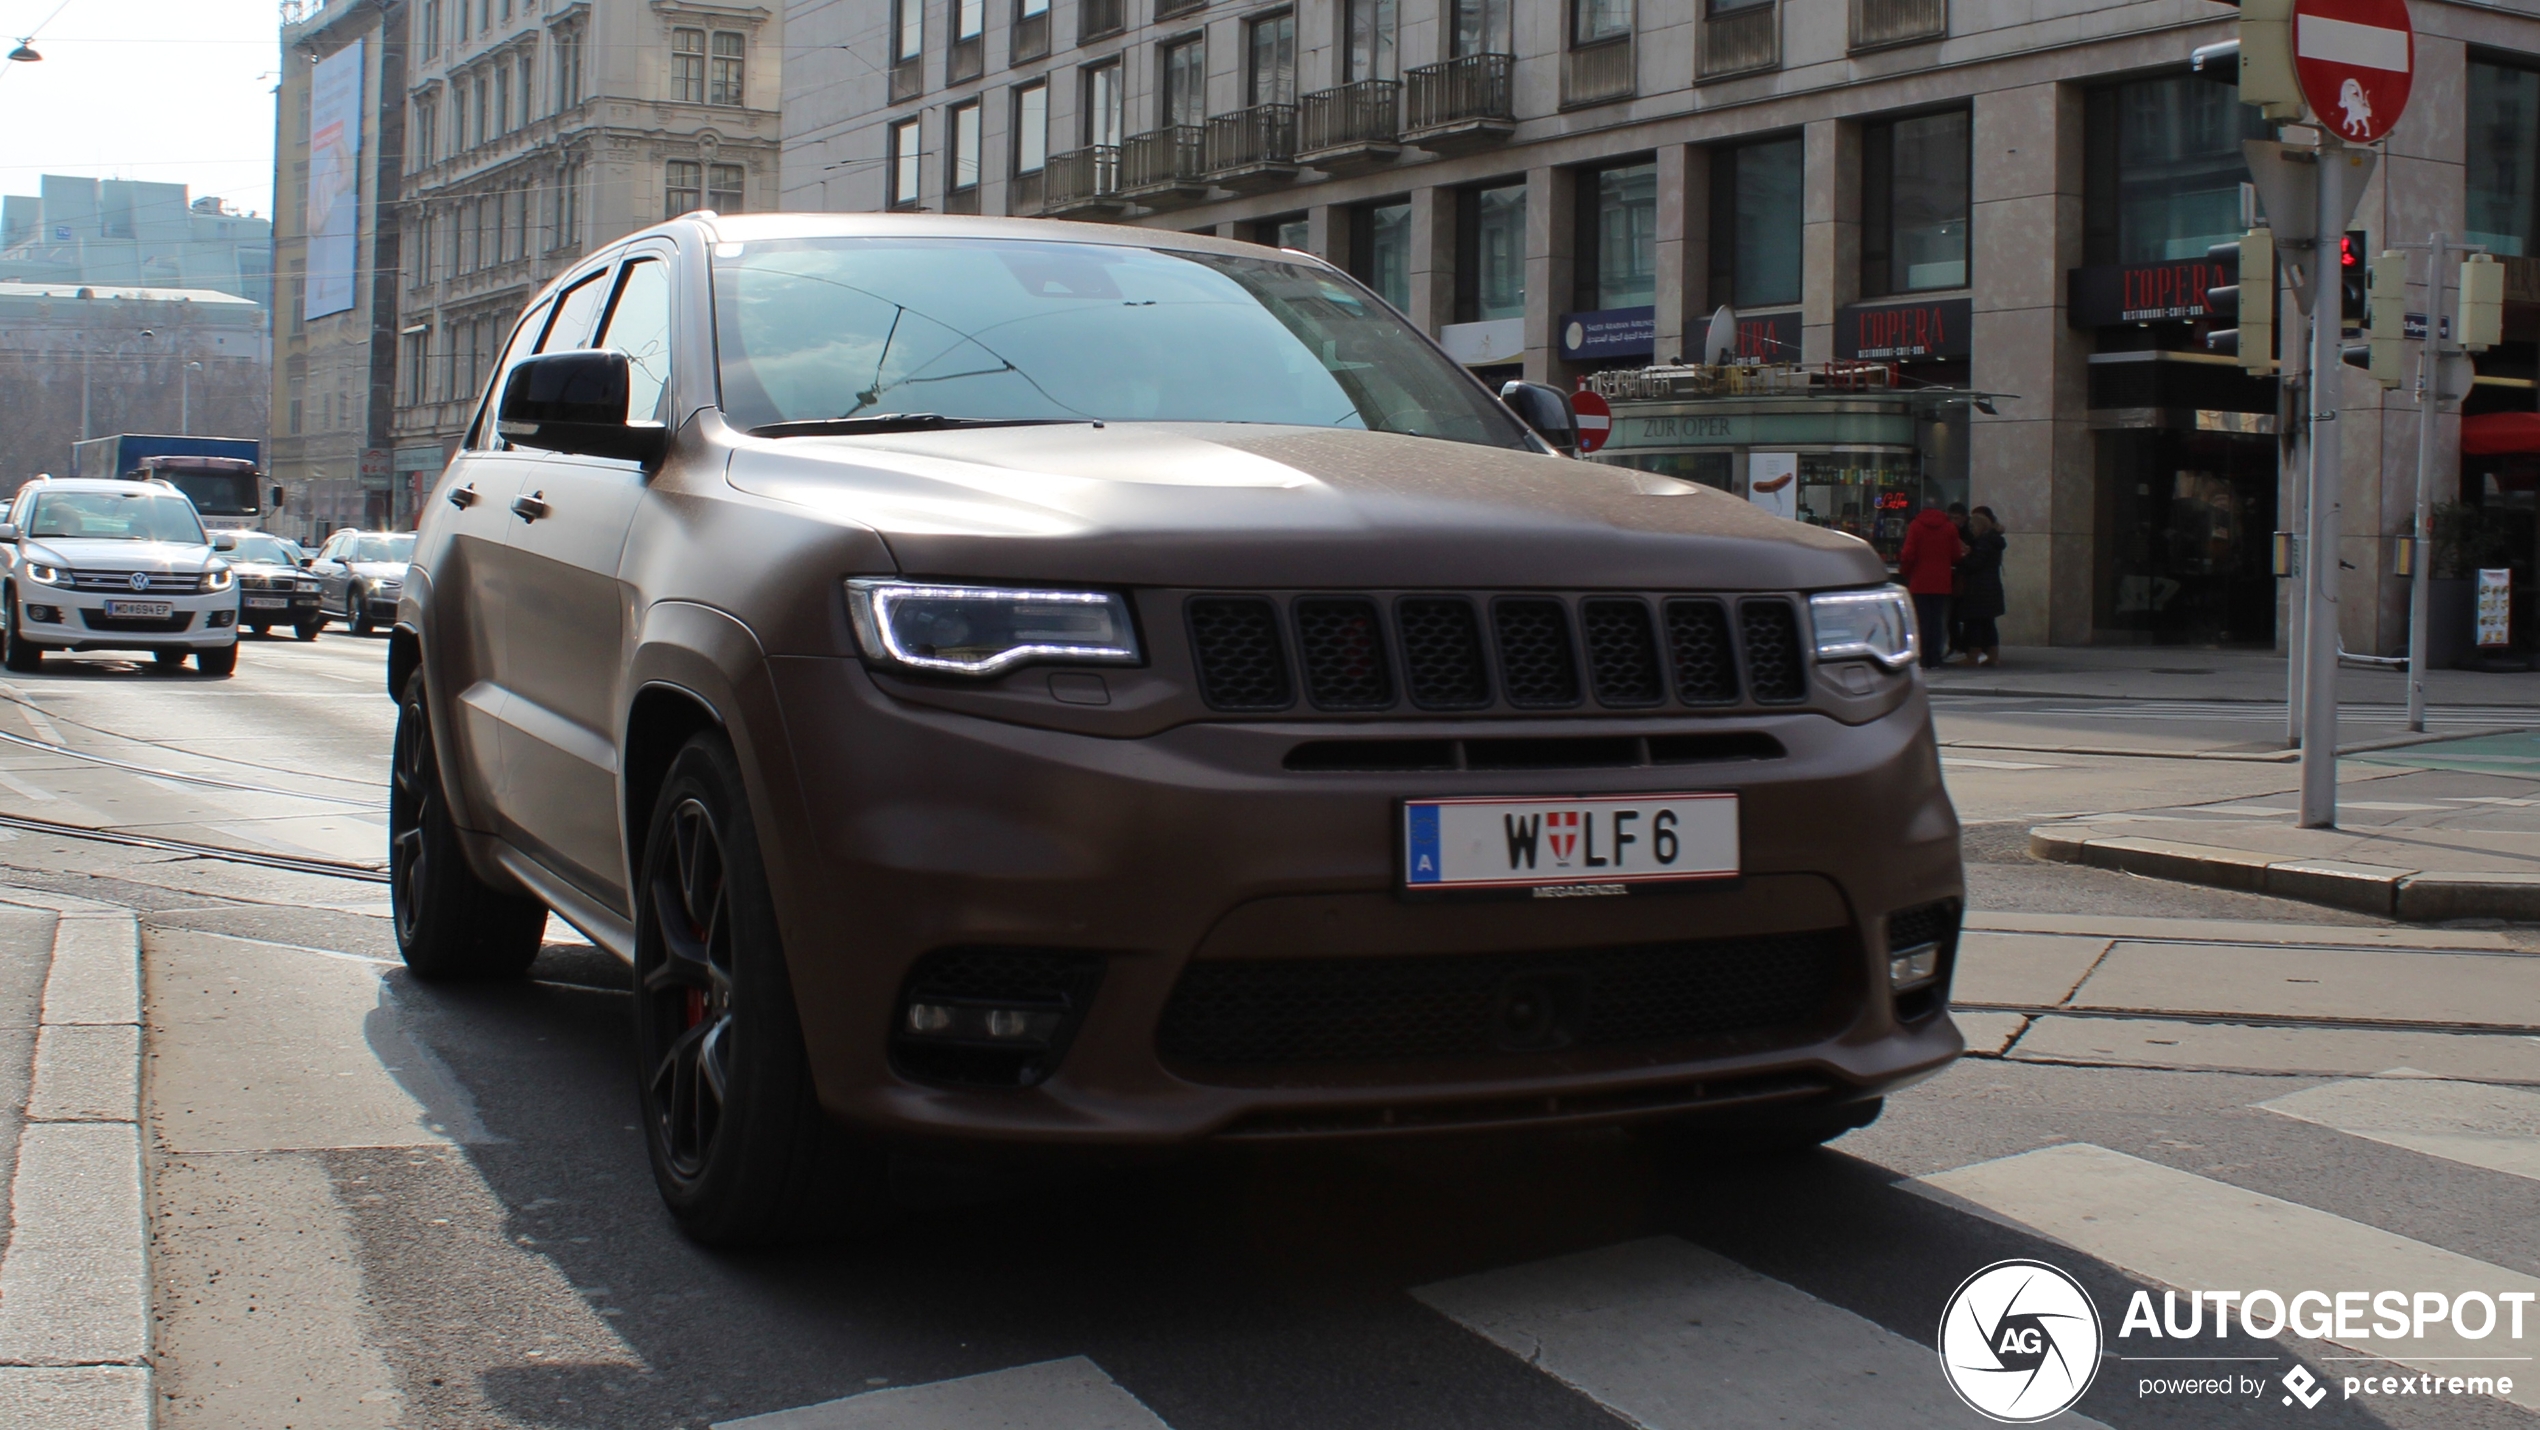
(1980, 599)
(1929, 566)
(1957, 623)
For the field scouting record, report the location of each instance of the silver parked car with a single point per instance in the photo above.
(360, 575)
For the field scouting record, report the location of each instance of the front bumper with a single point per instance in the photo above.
(911, 831)
(61, 619)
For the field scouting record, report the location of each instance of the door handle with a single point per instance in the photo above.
(463, 497)
(531, 507)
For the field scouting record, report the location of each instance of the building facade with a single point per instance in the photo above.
(121, 231)
(91, 360)
(2014, 201)
(538, 130)
(338, 135)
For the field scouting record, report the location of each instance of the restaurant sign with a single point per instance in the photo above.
(1903, 332)
(2168, 292)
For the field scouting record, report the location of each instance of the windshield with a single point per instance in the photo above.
(215, 493)
(383, 548)
(115, 516)
(255, 546)
(813, 329)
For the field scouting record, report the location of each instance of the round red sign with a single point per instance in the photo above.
(2357, 59)
(1596, 420)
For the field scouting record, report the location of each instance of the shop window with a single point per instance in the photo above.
(1490, 253)
(1371, 26)
(1285, 231)
(1482, 28)
(1380, 251)
(1914, 193)
(904, 164)
(2164, 169)
(2504, 157)
(1616, 241)
(1270, 66)
(1757, 217)
(1185, 88)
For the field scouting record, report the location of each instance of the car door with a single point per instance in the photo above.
(330, 570)
(567, 626)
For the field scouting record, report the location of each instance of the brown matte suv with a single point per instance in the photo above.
(1019, 684)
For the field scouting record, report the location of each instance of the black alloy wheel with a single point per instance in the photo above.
(357, 611)
(688, 989)
(449, 923)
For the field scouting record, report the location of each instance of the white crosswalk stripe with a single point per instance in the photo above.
(1669, 1336)
(2497, 1128)
(1070, 1394)
(2181, 1230)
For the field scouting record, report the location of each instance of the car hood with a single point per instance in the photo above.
(392, 570)
(1188, 504)
(264, 568)
(175, 558)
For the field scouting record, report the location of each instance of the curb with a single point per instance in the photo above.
(2413, 895)
(75, 1284)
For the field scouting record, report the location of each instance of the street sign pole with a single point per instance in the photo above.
(2293, 414)
(2320, 564)
(2429, 406)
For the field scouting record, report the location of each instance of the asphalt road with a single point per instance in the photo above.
(381, 1203)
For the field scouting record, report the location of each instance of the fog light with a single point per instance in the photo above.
(50, 614)
(1008, 1023)
(221, 618)
(929, 1018)
(1913, 967)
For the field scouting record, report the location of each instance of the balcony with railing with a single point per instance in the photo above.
(1876, 24)
(1461, 104)
(1351, 128)
(1097, 18)
(1252, 149)
(1740, 39)
(1082, 182)
(1598, 74)
(1165, 166)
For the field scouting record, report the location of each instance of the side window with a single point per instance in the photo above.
(523, 337)
(577, 312)
(639, 326)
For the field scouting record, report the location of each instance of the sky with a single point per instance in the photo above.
(173, 91)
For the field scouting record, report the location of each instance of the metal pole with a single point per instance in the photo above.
(83, 390)
(2293, 413)
(2429, 404)
(2320, 566)
(185, 400)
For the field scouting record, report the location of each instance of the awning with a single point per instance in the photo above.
(2492, 434)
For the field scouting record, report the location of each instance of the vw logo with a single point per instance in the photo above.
(141, 580)
(2019, 1342)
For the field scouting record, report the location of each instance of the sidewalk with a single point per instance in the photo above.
(2187, 673)
(2453, 834)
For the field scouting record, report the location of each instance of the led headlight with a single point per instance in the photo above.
(983, 630)
(48, 575)
(218, 580)
(1876, 626)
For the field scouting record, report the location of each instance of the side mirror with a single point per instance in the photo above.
(277, 498)
(224, 541)
(576, 402)
(8, 531)
(1545, 409)
(306, 561)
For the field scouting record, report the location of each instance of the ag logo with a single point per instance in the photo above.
(2019, 1342)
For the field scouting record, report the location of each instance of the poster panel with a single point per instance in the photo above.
(335, 181)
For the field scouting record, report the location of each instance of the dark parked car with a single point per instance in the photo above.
(360, 575)
(1020, 683)
(274, 586)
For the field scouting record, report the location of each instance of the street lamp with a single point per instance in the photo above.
(25, 53)
(185, 398)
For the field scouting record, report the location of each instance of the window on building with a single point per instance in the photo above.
(1757, 220)
(1490, 253)
(970, 19)
(1105, 111)
(1616, 241)
(431, 28)
(1184, 88)
(1372, 26)
(1593, 22)
(2162, 168)
(569, 204)
(1915, 178)
(483, 93)
(502, 101)
(427, 130)
(1031, 128)
(528, 87)
(520, 221)
(684, 184)
(1287, 231)
(1380, 250)
(723, 82)
(726, 188)
(1032, 9)
(904, 164)
(1481, 27)
(568, 68)
(1270, 60)
(908, 30)
(2504, 157)
(295, 416)
(414, 365)
(688, 66)
(961, 161)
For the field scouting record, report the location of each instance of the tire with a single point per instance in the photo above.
(16, 651)
(357, 612)
(308, 630)
(217, 660)
(450, 925)
(168, 662)
(742, 1153)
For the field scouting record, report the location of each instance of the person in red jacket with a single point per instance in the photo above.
(1929, 567)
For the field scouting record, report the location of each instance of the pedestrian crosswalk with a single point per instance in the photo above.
(1665, 1334)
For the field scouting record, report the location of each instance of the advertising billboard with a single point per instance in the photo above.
(335, 181)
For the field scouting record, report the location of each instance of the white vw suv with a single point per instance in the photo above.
(115, 565)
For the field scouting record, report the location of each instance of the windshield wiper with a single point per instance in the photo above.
(902, 422)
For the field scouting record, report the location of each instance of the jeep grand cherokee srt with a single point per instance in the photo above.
(1013, 682)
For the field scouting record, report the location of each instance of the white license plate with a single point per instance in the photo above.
(140, 610)
(1558, 843)
(267, 603)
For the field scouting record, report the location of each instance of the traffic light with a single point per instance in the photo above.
(2267, 77)
(2388, 325)
(2248, 303)
(2354, 278)
(2482, 303)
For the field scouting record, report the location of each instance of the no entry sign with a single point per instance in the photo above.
(1596, 420)
(2357, 60)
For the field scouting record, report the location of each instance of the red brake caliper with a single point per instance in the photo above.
(696, 1009)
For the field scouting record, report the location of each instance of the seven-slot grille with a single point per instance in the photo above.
(1356, 654)
(119, 583)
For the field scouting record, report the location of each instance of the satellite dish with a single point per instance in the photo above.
(1721, 344)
